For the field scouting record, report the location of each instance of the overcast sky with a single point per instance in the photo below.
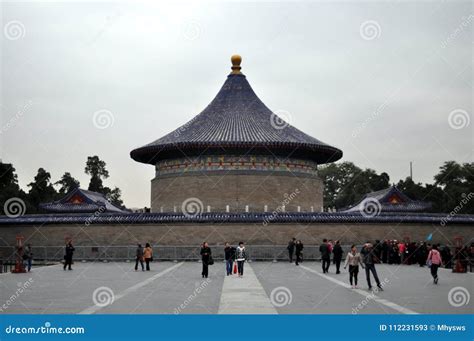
(386, 82)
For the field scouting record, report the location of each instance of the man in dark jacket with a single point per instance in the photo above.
(206, 256)
(446, 256)
(28, 257)
(291, 249)
(369, 258)
(385, 251)
(337, 252)
(325, 255)
(299, 251)
(139, 257)
(69, 251)
(229, 254)
(422, 254)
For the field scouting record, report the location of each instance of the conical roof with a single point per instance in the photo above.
(237, 122)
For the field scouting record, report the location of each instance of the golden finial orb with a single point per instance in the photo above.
(236, 60)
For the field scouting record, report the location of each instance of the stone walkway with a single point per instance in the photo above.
(245, 295)
(266, 288)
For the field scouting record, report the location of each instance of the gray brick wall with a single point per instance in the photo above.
(237, 191)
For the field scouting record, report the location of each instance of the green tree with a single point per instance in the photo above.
(345, 184)
(457, 183)
(115, 197)
(41, 189)
(415, 191)
(68, 183)
(95, 167)
(9, 188)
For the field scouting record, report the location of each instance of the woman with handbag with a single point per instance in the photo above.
(434, 262)
(206, 257)
(148, 255)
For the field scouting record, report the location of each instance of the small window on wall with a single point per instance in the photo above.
(94, 249)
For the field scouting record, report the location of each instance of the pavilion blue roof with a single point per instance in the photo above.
(391, 199)
(81, 201)
(237, 121)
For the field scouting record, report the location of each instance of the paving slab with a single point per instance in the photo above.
(178, 288)
(409, 287)
(245, 295)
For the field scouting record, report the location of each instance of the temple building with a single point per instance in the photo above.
(248, 175)
(81, 201)
(390, 200)
(237, 156)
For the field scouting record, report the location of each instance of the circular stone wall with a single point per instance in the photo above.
(237, 184)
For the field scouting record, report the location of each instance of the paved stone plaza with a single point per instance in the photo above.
(266, 288)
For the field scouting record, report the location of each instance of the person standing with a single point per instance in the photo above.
(434, 262)
(139, 257)
(402, 249)
(378, 250)
(69, 251)
(337, 252)
(229, 254)
(28, 257)
(299, 251)
(385, 251)
(206, 255)
(148, 255)
(291, 249)
(330, 246)
(368, 259)
(241, 256)
(325, 255)
(422, 253)
(446, 256)
(353, 260)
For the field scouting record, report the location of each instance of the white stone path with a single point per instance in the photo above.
(245, 295)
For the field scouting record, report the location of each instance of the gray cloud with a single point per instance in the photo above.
(155, 66)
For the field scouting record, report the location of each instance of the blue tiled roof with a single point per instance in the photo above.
(406, 204)
(236, 121)
(92, 202)
(167, 218)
